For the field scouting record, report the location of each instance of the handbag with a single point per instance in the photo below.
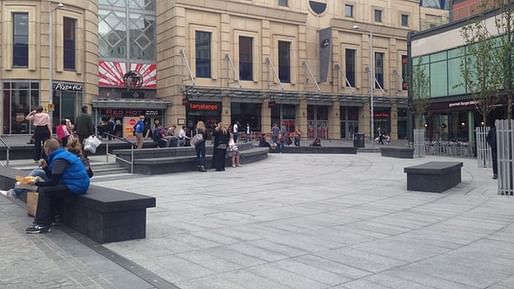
(222, 146)
(198, 138)
(91, 143)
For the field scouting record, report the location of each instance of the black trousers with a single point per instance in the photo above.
(49, 199)
(494, 155)
(41, 134)
(218, 159)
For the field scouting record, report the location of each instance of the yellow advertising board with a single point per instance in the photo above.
(128, 126)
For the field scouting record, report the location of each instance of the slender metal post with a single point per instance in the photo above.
(132, 159)
(372, 87)
(107, 150)
(51, 51)
(7, 157)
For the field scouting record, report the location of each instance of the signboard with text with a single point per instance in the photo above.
(128, 124)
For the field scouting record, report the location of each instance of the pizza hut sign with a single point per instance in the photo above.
(67, 86)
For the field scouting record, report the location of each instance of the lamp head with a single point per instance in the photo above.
(355, 27)
(60, 5)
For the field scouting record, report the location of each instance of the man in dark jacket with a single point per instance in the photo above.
(84, 125)
(491, 140)
(67, 176)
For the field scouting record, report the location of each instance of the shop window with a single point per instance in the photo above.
(69, 25)
(379, 70)
(348, 10)
(350, 66)
(20, 98)
(203, 54)
(20, 39)
(245, 58)
(377, 15)
(438, 79)
(284, 61)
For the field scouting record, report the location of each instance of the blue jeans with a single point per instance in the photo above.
(200, 154)
(37, 172)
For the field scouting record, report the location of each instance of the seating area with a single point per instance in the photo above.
(434, 177)
(397, 152)
(154, 161)
(103, 215)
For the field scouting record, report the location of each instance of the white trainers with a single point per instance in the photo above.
(8, 193)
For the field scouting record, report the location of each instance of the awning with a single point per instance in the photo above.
(130, 103)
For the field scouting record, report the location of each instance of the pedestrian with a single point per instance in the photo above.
(235, 131)
(68, 176)
(84, 125)
(201, 137)
(62, 132)
(233, 152)
(274, 133)
(491, 140)
(221, 138)
(41, 121)
(316, 142)
(297, 136)
(118, 128)
(139, 130)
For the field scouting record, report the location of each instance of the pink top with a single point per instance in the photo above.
(39, 119)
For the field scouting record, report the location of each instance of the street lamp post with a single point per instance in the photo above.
(372, 82)
(51, 51)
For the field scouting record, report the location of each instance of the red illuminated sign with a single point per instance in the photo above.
(204, 106)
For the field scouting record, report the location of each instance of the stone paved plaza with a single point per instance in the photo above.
(290, 222)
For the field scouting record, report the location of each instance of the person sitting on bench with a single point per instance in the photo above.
(68, 176)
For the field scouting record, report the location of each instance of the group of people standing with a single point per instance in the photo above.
(223, 141)
(66, 130)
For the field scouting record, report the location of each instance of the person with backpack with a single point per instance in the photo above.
(199, 142)
(139, 130)
(63, 133)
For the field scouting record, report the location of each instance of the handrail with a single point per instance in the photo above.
(132, 145)
(8, 149)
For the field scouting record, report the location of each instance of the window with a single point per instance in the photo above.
(284, 61)
(69, 43)
(378, 15)
(245, 58)
(379, 70)
(350, 66)
(405, 65)
(282, 3)
(405, 20)
(20, 40)
(348, 10)
(203, 54)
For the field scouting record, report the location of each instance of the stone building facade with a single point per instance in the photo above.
(25, 57)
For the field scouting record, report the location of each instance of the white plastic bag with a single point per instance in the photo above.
(91, 144)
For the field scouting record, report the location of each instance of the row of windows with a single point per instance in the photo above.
(443, 72)
(203, 60)
(377, 15)
(20, 36)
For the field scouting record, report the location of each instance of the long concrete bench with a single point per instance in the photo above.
(397, 152)
(103, 215)
(155, 161)
(316, 150)
(433, 176)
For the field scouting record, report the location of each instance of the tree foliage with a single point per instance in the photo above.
(420, 90)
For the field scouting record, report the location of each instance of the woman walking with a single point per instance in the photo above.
(199, 143)
(41, 122)
(221, 137)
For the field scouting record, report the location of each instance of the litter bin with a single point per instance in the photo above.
(358, 140)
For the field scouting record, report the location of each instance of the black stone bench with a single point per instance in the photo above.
(184, 163)
(316, 150)
(103, 215)
(397, 152)
(433, 176)
(154, 161)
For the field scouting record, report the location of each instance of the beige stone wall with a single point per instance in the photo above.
(268, 23)
(84, 12)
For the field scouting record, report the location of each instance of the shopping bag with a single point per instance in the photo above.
(32, 198)
(91, 144)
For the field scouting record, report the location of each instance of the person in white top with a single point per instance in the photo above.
(235, 131)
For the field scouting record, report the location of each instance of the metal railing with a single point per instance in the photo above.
(107, 154)
(505, 151)
(7, 151)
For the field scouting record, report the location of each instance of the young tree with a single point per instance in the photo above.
(479, 67)
(420, 91)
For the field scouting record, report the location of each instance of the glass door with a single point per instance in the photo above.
(65, 106)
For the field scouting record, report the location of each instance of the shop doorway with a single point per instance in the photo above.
(317, 121)
(66, 105)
